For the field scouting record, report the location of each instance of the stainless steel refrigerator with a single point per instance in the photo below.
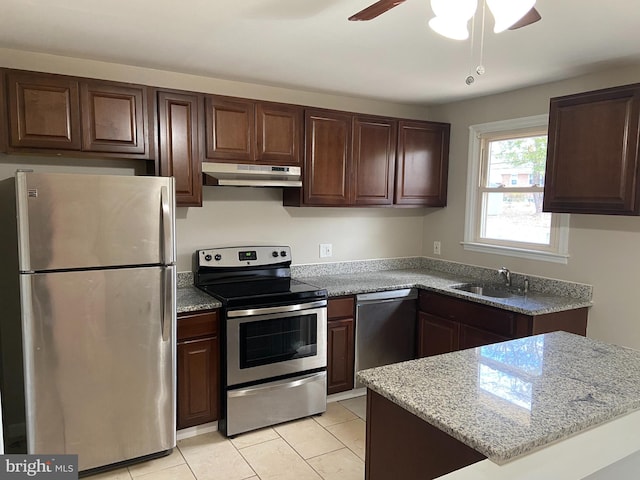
(88, 330)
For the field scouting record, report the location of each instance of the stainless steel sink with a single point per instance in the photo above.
(495, 291)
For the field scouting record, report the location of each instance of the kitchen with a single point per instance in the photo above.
(601, 247)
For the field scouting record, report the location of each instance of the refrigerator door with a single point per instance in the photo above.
(99, 356)
(68, 221)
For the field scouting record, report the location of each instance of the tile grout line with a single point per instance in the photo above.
(239, 450)
(187, 462)
(347, 446)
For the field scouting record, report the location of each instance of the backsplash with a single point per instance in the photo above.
(356, 266)
(185, 279)
(480, 274)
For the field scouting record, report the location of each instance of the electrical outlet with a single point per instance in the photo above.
(436, 247)
(326, 250)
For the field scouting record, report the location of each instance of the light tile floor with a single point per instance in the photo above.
(325, 447)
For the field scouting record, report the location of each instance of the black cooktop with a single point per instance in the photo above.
(250, 277)
(265, 292)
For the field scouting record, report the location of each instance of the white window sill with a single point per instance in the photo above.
(516, 252)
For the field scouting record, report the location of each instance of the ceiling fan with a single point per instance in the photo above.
(382, 6)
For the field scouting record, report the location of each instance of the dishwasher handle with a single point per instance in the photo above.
(389, 295)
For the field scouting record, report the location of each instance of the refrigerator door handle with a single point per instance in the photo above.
(166, 316)
(167, 243)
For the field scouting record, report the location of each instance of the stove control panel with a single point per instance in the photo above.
(243, 256)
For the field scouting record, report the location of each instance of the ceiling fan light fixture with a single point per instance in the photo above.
(461, 10)
(455, 30)
(508, 12)
(451, 17)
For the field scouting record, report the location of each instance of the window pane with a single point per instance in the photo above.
(516, 162)
(515, 217)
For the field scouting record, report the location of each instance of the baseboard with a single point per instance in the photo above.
(356, 392)
(197, 430)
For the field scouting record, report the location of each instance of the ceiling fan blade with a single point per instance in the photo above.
(378, 8)
(532, 16)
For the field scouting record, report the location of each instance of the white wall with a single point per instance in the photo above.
(605, 250)
(232, 216)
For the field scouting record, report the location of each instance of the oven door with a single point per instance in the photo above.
(263, 343)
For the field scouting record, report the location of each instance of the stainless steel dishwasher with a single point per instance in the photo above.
(385, 328)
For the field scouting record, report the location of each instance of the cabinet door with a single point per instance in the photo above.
(340, 355)
(44, 111)
(592, 158)
(373, 163)
(114, 118)
(474, 337)
(279, 133)
(422, 164)
(436, 335)
(198, 387)
(230, 129)
(327, 161)
(179, 120)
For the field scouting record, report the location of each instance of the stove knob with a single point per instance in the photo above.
(218, 257)
(274, 254)
(283, 253)
(207, 257)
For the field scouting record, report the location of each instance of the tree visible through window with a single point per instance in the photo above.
(512, 189)
(506, 190)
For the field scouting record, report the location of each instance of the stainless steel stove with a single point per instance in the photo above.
(274, 336)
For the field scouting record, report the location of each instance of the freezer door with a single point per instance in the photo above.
(99, 357)
(68, 221)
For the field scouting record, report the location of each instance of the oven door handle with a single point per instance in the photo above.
(251, 312)
(279, 385)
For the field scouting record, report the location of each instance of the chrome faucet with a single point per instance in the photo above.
(507, 275)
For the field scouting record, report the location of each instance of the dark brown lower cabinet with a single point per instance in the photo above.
(436, 335)
(401, 445)
(198, 369)
(340, 344)
(447, 324)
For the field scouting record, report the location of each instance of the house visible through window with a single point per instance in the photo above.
(505, 192)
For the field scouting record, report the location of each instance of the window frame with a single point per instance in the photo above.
(558, 250)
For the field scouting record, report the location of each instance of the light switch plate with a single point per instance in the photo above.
(326, 250)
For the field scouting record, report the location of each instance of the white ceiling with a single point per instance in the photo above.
(310, 45)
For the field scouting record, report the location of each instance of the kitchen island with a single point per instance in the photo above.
(432, 416)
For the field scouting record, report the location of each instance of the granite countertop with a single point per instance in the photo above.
(509, 399)
(191, 299)
(533, 303)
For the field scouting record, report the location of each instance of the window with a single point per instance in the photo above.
(505, 188)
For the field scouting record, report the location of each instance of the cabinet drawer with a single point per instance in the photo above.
(196, 325)
(340, 307)
(469, 313)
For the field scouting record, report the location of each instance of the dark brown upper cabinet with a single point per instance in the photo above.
(180, 125)
(422, 163)
(114, 118)
(357, 160)
(230, 129)
(54, 113)
(44, 111)
(373, 161)
(327, 167)
(592, 154)
(247, 131)
(349, 160)
(279, 130)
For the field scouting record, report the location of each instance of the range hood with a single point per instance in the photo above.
(242, 175)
